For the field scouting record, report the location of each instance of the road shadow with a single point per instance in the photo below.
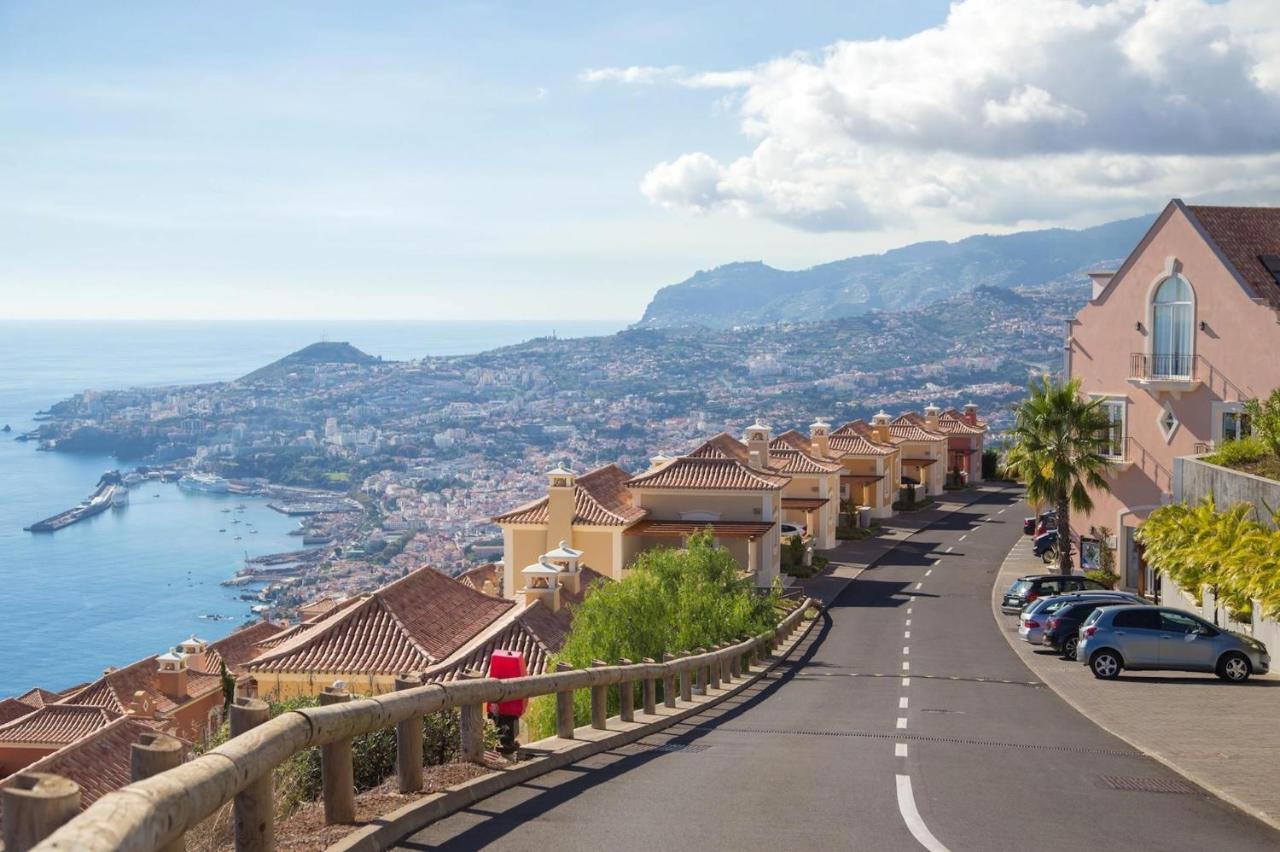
(866, 592)
(496, 825)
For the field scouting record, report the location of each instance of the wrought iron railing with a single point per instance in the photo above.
(1148, 366)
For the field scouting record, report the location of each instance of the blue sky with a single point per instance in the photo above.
(518, 160)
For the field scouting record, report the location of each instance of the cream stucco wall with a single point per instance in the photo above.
(1237, 330)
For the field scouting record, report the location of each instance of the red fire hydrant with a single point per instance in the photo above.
(506, 714)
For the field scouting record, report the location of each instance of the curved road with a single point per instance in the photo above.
(904, 721)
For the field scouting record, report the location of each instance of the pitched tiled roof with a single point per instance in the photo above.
(475, 577)
(600, 498)
(408, 625)
(1242, 234)
(38, 697)
(792, 439)
(952, 422)
(12, 708)
(855, 438)
(56, 724)
(115, 689)
(535, 631)
(911, 427)
(98, 762)
(795, 461)
(716, 474)
(237, 648)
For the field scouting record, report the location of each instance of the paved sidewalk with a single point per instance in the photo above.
(1225, 737)
(851, 558)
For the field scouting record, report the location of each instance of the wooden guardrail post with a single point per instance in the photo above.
(471, 726)
(337, 771)
(254, 805)
(668, 684)
(649, 694)
(599, 700)
(152, 754)
(626, 697)
(564, 708)
(35, 804)
(409, 743)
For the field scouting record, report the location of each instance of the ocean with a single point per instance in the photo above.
(135, 581)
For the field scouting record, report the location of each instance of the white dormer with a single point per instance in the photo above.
(172, 661)
(192, 647)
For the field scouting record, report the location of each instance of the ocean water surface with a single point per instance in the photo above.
(134, 581)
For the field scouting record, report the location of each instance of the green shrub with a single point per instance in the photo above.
(1235, 454)
(1106, 578)
(671, 601)
(1264, 420)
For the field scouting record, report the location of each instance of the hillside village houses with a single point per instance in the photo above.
(743, 490)
(1175, 341)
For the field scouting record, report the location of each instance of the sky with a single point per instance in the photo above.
(490, 160)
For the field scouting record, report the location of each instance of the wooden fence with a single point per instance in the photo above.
(156, 812)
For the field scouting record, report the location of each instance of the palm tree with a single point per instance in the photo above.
(1060, 450)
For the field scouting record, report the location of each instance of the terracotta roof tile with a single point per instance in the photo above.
(792, 439)
(715, 474)
(856, 438)
(911, 427)
(408, 625)
(237, 648)
(797, 462)
(98, 762)
(115, 690)
(12, 708)
(38, 697)
(56, 724)
(600, 499)
(475, 577)
(1243, 234)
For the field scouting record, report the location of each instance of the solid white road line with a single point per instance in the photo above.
(902, 721)
(900, 750)
(902, 703)
(911, 816)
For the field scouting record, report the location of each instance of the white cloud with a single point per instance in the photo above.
(1006, 112)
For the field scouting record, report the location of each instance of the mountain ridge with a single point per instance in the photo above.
(752, 293)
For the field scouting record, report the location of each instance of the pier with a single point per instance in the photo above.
(97, 503)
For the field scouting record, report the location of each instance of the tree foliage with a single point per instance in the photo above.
(1230, 552)
(1264, 420)
(671, 601)
(1060, 452)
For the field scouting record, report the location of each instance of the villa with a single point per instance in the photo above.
(1174, 342)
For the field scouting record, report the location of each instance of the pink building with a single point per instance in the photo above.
(1175, 341)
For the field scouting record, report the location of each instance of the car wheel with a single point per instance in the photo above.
(1069, 648)
(1105, 665)
(1234, 667)
(1049, 557)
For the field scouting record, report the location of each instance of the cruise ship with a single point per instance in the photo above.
(119, 496)
(203, 482)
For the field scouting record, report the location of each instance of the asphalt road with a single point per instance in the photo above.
(903, 722)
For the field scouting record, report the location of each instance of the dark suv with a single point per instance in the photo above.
(1062, 627)
(1027, 589)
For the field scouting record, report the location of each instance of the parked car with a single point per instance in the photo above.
(1061, 630)
(1035, 619)
(789, 530)
(1028, 589)
(1041, 524)
(1044, 543)
(1114, 638)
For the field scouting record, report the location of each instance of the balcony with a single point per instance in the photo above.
(1175, 374)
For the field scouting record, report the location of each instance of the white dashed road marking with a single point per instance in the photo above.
(905, 650)
(918, 585)
(906, 681)
(902, 721)
(963, 537)
(902, 703)
(906, 634)
(948, 550)
(900, 750)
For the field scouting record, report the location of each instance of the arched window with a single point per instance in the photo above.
(1173, 328)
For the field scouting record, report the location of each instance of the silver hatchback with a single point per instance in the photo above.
(1160, 637)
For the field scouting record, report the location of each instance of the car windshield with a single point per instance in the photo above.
(1019, 587)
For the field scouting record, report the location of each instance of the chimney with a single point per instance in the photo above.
(658, 461)
(565, 558)
(193, 651)
(931, 415)
(1100, 281)
(880, 427)
(758, 444)
(971, 414)
(820, 437)
(171, 678)
(560, 503)
(541, 583)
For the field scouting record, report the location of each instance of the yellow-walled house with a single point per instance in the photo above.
(872, 462)
(812, 498)
(924, 447)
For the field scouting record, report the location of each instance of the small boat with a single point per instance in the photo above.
(224, 511)
(224, 529)
(237, 538)
(155, 495)
(255, 532)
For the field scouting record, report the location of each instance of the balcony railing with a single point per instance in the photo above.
(1146, 366)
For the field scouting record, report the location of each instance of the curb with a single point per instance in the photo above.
(1193, 777)
(387, 830)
